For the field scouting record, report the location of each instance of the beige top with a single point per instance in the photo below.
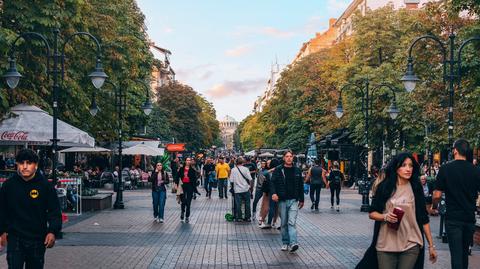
(408, 234)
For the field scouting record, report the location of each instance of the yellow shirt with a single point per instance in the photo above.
(222, 170)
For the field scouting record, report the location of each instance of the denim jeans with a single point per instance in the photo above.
(288, 213)
(22, 252)
(256, 199)
(239, 198)
(159, 198)
(460, 236)
(272, 210)
(222, 187)
(208, 184)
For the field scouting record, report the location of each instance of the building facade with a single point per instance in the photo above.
(228, 126)
(162, 72)
(269, 91)
(344, 24)
(320, 41)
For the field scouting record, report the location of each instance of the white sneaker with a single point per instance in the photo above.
(294, 248)
(157, 220)
(338, 208)
(160, 220)
(265, 226)
(285, 248)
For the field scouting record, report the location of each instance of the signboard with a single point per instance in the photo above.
(175, 147)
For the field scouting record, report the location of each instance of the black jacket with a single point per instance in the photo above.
(278, 184)
(192, 174)
(29, 209)
(154, 179)
(370, 261)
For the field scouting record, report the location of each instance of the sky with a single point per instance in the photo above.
(225, 49)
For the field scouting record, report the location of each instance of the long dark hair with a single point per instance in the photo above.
(389, 185)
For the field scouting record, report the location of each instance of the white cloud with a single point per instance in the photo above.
(229, 88)
(168, 30)
(238, 51)
(277, 33)
(265, 31)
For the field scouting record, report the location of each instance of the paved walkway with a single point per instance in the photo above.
(130, 239)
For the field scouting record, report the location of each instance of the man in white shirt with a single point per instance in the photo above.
(241, 180)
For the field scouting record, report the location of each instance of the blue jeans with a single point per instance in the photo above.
(288, 214)
(208, 185)
(271, 210)
(159, 198)
(26, 252)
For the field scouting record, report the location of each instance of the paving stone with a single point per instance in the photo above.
(130, 238)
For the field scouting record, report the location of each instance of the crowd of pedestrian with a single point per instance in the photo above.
(272, 193)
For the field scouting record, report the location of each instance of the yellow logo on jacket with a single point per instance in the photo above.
(34, 194)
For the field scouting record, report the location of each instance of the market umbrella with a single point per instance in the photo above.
(29, 125)
(266, 155)
(142, 149)
(85, 150)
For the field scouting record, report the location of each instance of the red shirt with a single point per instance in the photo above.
(185, 178)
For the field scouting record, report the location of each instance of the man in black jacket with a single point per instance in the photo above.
(29, 213)
(286, 187)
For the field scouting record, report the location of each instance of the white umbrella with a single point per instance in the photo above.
(30, 125)
(250, 153)
(84, 149)
(266, 155)
(142, 149)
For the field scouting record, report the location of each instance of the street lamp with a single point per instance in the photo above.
(393, 111)
(120, 104)
(57, 70)
(451, 75)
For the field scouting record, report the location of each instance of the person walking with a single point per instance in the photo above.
(460, 181)
(223, 173)
(316, 178)
(335, 179)
(287, 189)
(241, 182)
(187, 180)
(260, 189)
(29, 214)
(159, 180)
(208, 177)
(401, 219)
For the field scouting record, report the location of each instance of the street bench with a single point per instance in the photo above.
(97, 202)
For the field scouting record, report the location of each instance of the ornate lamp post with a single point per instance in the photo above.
(57, 71)
(364, 89)
(120, 105)
(451, 71)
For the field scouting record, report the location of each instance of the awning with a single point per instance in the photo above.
(29, 125)
(142, 149)
(85, 149)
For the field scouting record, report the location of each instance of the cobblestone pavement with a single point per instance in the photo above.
(130, 239)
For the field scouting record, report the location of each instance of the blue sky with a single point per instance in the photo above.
(224, 49)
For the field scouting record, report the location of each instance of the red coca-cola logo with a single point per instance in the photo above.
(19, 136)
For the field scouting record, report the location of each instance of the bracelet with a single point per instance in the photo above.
(385, 217)
(432, 246)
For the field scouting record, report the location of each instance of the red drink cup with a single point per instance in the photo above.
(399, 213)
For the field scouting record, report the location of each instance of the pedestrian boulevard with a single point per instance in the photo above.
(130, 239)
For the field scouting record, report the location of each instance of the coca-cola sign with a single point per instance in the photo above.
(14, 135)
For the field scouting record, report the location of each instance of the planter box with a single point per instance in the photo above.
(96, 202)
